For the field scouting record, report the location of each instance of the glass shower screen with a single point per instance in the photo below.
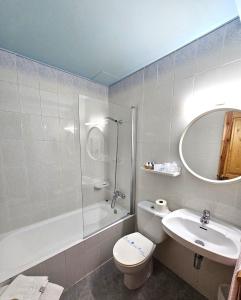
(105, 139)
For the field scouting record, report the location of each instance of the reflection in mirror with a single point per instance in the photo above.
(211, 147)
(96, 144)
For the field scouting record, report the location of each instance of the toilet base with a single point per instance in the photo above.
(136, 280)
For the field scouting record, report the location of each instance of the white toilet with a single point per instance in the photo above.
(133, 252)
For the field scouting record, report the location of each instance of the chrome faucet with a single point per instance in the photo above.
(205, 217)
(117, 194)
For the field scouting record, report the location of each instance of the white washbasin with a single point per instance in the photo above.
(219, 242)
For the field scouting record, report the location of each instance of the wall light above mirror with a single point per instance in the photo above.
(210, 146)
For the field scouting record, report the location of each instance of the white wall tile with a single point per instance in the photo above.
(16, 182)
(10, 125)
(43, 152)
(180, 116)
(51, 128)
(9, 100)
(19, 215)
(49, 103)
(209, 50)
(30, 100)
(68, 130)
(185, 61)
(151, 72)
(67, 105)
(13, 153)
(8, 70)
(165, 72)
(32, 127)
(156, 112)
(37, 181)
(2, 181)
(27, 72)
(47, 79)
(4, 218)
(232, 41)
(65, 83)
(40, 209)
(93, 90)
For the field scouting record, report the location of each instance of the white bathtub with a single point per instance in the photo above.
(26, 247)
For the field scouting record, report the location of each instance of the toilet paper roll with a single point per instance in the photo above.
(161, 205)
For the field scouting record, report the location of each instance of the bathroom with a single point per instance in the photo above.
(95, 122)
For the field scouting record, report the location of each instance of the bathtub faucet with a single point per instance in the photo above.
(117, 194)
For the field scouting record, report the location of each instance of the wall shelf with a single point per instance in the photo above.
(174, 174)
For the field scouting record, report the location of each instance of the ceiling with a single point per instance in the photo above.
(106, 40)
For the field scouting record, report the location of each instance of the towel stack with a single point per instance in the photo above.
(31, 288)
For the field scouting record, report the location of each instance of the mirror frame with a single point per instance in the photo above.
(214, 181)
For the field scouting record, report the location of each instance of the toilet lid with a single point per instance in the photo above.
(132, 249)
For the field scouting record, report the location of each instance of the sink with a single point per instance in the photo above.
(216, 240)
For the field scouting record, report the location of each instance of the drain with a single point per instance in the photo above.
(199, 242)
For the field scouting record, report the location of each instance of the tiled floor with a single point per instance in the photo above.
(106, 283)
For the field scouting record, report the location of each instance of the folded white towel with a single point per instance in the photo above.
(52, 292)
(25, 288)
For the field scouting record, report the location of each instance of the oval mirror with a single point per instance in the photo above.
(210, 147)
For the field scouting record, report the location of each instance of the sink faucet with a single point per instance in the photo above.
(205, 217)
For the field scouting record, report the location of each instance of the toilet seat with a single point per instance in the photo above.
(133, 249)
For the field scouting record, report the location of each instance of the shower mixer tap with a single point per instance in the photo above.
(117, 194)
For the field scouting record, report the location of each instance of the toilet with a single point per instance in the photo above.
(133, 252)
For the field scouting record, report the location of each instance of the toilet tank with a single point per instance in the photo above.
(149, 221)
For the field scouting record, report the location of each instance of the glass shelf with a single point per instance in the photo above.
(171, 174)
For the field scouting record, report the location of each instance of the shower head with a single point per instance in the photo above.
(113, 120)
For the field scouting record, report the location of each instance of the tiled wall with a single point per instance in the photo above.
(169, 93)
(39, 140)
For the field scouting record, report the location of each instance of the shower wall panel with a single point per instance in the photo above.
(39, 140)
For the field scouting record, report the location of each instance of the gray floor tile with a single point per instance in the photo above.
(106, 283)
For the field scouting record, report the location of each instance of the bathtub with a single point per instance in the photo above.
(28, 246)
